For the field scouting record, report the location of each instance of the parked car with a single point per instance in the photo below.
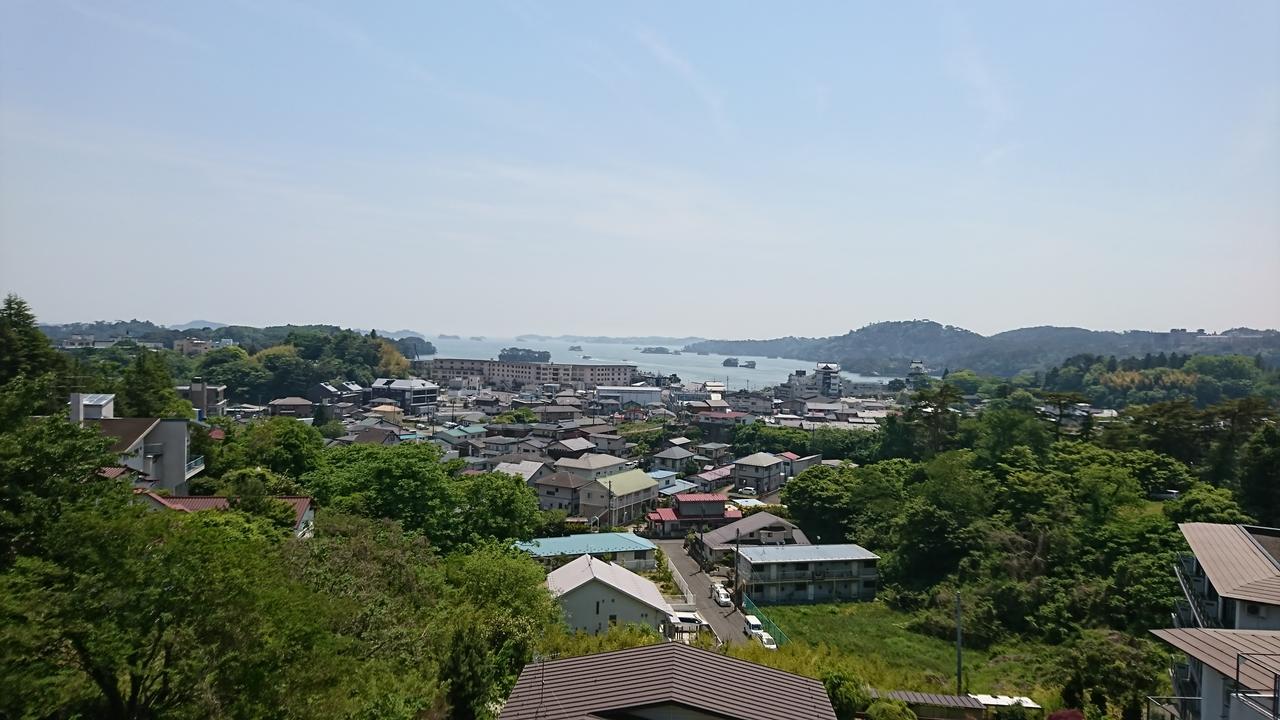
(722, 597)
(767, 641)
(747, 491)
(687, 622)
(751, 626)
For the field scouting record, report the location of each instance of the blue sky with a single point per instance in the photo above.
(719, 169)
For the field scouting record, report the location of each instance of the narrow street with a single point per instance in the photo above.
(725, 621)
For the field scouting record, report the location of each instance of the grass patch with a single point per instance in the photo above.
(874, 639)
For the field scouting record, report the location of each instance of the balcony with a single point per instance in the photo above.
(1173, 708)
(814, 575)
(1203, 612)
(194, 466)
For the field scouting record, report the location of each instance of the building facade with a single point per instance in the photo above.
(518, 374)
(807, 573)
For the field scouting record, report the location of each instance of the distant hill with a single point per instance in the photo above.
(604, 339)
(887, 348)
(198, 325)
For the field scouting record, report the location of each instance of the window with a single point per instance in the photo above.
(597, 607)
(613, 619)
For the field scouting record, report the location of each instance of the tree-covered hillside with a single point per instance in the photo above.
(888, 348)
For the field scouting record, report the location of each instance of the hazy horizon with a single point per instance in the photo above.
(719, 170)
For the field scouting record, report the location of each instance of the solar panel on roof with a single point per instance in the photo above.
(97, 398)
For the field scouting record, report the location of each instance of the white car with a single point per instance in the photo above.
(722, 597)
(767, 641)
(751, 626)
(686, 622)
(747, 491)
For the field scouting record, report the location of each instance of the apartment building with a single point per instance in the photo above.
(518, 374)
(1230, 579)
(1228, 675)
(807, 573)
(414, 395)
(208, 400)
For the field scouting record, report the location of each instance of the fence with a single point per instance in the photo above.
(750, 608)
(684, 602)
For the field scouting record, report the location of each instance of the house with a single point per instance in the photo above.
(291, 406)
(332, 393)
(570, 447)
(609, 443)
(807, 573)
(793, 464)
(496, 445)
(691, 512)
(529, 470)
(620, 498)
(303, 511)
(711, 480)
(762, 528)
(674, 458)
(626, 549)
(156, 450)
(624, 395)
(562, 491)
(414, 395)
(596, 595)
(1229, 674)
(664, 680)
(592, 465)
(762, 471)
(1231, 578)
(716, 452)
(208, 400)
(555, 413)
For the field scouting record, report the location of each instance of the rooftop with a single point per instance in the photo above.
(625, 483)
(725, 535)
(584, 544)
(807, 553)
(702, 497)
(590, 461)
(586, 568)
(126, 431)
(653, 677)
(674, 453)
(760, 459)
(1219, 650)
(1237, 564)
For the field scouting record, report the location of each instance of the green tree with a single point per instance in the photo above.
(147, 389)
(1260, 475)
(516, 415)
(889, 709)
(283, 445)
(1205, 503)
(1111, 671)
(848, 692)
(24, 349)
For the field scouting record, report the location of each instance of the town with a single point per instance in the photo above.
(693, 524)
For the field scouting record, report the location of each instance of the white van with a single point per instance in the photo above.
(751, 626)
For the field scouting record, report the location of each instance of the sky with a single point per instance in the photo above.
(721, 169)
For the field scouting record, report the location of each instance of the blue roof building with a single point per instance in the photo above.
(626, 549)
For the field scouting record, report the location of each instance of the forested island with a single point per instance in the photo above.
(515, 354)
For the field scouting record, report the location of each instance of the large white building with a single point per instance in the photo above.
(518, 374)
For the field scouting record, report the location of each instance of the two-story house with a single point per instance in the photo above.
(155, 449)
(807, 573)
(691, 512)
(620, 498)
(592, 466)
(674, 458)
(762, 471)
(596, 595)
(564, 491)
(762, 528)
(208, 400)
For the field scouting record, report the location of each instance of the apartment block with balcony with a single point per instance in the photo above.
(1228, 675)
(157, 449)
(414, 395)
(807, 573)
(1230, 579)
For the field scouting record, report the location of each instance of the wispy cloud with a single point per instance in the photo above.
(136, 26)
(967, 63)
(682, 68)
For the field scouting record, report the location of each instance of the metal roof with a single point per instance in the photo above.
(666, 674)
(725, 535)
(1219, 650)
(931, 699)
(806, 553)
(585, 544)
(760, 459)
(628, 482)
(96, 399)
(1236, 564)
(590, 461)
(585, 569)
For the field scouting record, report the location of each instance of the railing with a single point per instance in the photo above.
(793, 575)
(1262, 700)
(195, 463)
(1173, 708)
(750, 608)
(1204, 613)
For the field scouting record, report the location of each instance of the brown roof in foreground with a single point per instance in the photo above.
(126, 431)
(1219, 649)
(1236, 564)
(608, 684)
(196, 503)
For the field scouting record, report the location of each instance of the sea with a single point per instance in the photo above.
(689, 366)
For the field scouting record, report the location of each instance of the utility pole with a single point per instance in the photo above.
(959, 648)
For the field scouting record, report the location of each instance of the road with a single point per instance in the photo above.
(726, 622)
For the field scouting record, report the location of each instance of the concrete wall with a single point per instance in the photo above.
(172, 469)
(589, 606)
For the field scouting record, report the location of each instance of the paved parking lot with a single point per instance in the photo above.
(726, 622)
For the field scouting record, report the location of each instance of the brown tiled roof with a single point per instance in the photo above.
(126, 431)
(608, 684)
(1219, 649)
(1236, 564)
(195, 503)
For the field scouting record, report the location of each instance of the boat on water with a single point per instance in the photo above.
(444, 336)
(585, 357)
(730, 362)
(477, 338)
(749, 364)
(703, 353)
(675, 352)
(573, 348)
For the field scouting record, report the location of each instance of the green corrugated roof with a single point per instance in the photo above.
(628, 482)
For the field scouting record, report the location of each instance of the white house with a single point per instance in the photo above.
(596, 594)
